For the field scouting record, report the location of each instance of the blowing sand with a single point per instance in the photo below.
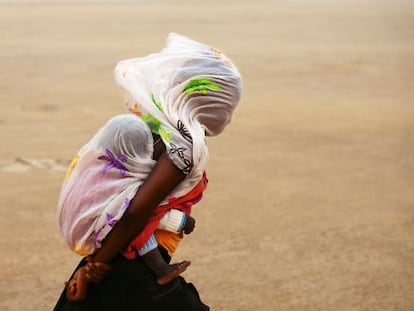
(311, 202)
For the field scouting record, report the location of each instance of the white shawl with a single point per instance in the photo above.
(186, 91)
(183, 93)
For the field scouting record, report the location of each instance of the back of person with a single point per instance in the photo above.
(104, 176)
(186, 92)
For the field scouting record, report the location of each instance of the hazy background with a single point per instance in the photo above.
(310, 203)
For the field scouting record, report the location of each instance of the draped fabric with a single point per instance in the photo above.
(186, 91)
(184, 204)
(102, 179)
(183, 93)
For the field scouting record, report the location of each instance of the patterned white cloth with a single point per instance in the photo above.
(102, 179)
(186, 91)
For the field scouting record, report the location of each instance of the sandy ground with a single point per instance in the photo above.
(310, 205)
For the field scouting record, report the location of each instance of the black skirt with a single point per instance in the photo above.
(131, 286)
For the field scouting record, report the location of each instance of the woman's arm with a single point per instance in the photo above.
(162, 180)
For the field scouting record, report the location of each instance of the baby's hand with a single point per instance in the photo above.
(189, 225)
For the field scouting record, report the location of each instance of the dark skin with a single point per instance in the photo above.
(162, 180)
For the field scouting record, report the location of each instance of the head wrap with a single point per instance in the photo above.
(186, 91)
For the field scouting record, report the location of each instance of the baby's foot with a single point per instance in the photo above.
(172, 272)
(77, 287)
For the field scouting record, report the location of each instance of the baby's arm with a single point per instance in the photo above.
(177, 221)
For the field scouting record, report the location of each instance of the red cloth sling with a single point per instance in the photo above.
(183, 204)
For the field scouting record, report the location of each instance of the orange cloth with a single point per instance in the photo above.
(183, 204)
(168, 240)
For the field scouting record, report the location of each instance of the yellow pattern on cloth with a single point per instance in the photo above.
(72, 166)
(80, 250)
(168, 240)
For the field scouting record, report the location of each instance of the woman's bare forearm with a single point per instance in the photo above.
(162, 180)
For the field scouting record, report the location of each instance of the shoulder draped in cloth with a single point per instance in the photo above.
(186, 91)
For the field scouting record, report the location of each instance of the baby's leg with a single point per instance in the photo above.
(153, 258)
(165, 272)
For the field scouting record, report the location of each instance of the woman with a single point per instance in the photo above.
(184, 93)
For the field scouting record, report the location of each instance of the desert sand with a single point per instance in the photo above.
(311, 202)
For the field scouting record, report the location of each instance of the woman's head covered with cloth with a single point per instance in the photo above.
(186, 91)
(183, 93)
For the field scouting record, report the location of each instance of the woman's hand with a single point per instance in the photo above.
(189, 225)
(96, 271)
(93, 272)
(77, 287)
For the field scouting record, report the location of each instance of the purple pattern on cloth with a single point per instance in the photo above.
(125, 205)
(110, 220)
(96, 235)
(114, 162)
